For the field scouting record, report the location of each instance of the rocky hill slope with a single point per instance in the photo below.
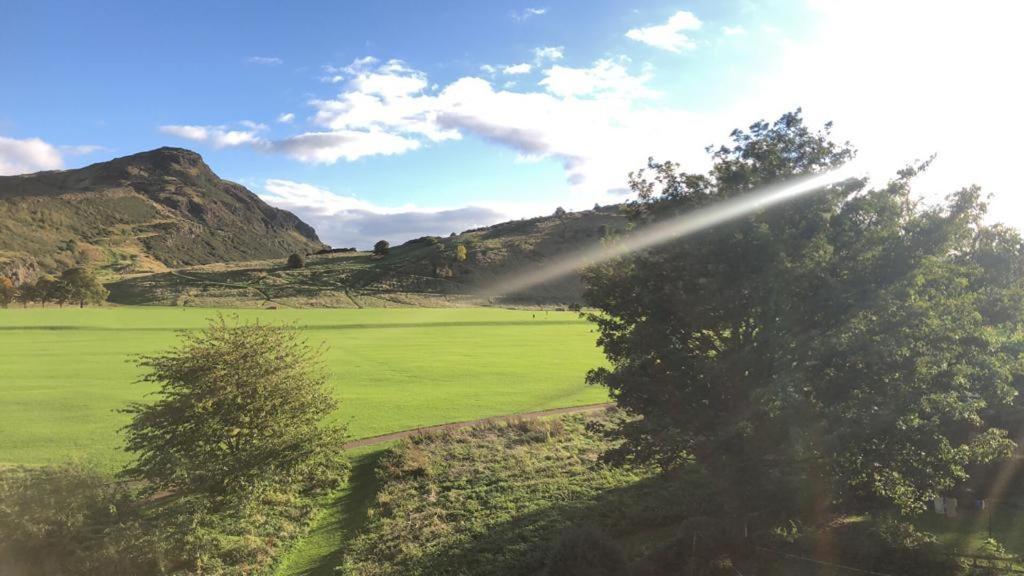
(428, 271)
(147, 212)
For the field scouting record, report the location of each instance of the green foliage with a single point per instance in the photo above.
(80, 285)
(70, 520)
(381, 248)
(240, 405)
(848, 346)
(296, 261)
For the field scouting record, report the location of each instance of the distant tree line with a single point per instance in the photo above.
(75, 285)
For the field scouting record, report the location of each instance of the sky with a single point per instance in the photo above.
(397, 119)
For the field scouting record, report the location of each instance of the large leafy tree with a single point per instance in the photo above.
(849, 346)
(81, 285)
(239, 406)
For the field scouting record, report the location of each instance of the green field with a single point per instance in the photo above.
(64, 373)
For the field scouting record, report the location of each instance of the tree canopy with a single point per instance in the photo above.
(850, 346)
(81, 285)
(381, 248)
(238, 405)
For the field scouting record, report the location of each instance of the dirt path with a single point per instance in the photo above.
(469, 423)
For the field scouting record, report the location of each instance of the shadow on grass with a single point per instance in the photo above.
(323, 548)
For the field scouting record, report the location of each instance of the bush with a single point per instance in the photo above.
(381, 248)
(296, 261)
(586, 551)
(72, 520)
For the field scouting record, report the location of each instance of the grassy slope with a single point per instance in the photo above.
(66, 372)
(491, 500)
(425, 272)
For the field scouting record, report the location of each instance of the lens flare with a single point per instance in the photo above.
(666, 231)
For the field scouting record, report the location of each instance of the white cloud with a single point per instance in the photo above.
(527, 13)
(734, 30)
(286, 118)
(265, 60)
(488, 69)
(548, 53)
(604, 77)
(255, 126)
(348, 221)
(671, 35)
(523, 68)
(598, 122)
(28, 155)
(216, 136)
(351, 145)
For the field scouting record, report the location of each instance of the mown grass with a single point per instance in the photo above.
(65, 373)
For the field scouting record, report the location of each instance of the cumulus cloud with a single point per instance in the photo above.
(514, 69)
(671, 35)
(329, 147)
(598, 122)
(605, 77)
(349, 221)
(265, 60)
(216, 136)
(28, 155)
(548, 53)
(286, 118)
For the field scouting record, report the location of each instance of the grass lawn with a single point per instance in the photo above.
(64, 373)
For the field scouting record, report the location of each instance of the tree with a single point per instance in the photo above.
(81, 285)
(296, 261)
(7, 291)
(238, 405)
(559, 212)
(381, 248)
(27, 293)
(48, 289)
(461, 253)
(847, 346)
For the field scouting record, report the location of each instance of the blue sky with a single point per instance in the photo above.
(398, 119)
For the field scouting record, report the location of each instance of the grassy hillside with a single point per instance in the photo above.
(142, 213)
(494, 499)
(66, 372)
(425, 272)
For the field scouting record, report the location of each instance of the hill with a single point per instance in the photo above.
(428, 271)
(147, 212)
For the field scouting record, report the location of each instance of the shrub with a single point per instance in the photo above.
(237, 405)
(381, 248)
(296, 261)
(71, 520)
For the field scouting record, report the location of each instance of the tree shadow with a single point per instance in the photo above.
(323, 548)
